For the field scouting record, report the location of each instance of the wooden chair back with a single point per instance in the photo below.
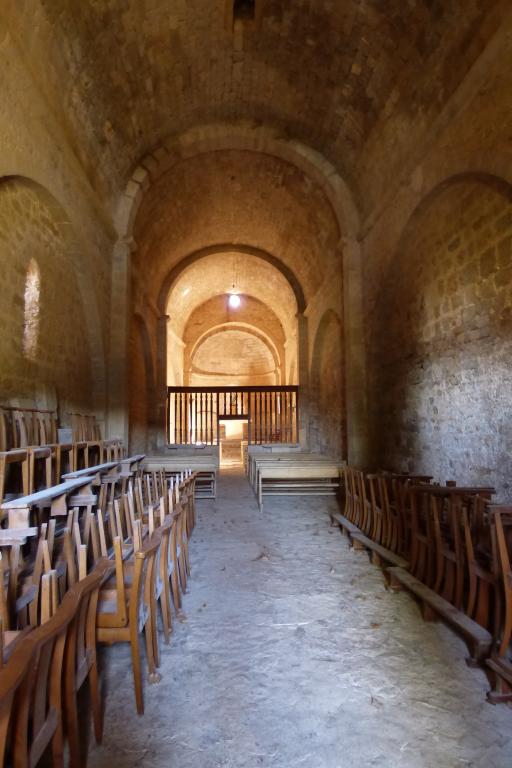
(80, 661)
(38, 715)
(12, 678)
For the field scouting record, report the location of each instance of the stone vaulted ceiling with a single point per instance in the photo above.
(342, 76)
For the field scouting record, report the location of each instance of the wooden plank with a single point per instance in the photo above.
(347, 526)
(479, 640)
(46, 496)
(385, 555)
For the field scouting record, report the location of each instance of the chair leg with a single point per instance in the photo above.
(137, 672)
(72, 730)
(153, 675)
(97, 714)
(183, 572)
(58, 745)
(153, 619)
(165, 609)
(176, 594)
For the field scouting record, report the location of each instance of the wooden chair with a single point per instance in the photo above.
(126, 607)
(500, 664)
(4, 440)
(422, 554)
(80, 660)
(483, 600)
(14, 473)
(38, 713)
(12, 678)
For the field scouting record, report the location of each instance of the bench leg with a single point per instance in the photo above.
(392, 582)
(501, 692)
(376, 559)
(428, 614)
(356, 544)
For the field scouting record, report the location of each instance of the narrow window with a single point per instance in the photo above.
(31, 318)
(244, 10)
(246, 14)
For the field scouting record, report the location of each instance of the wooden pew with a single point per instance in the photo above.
(372, 521)
(500, 663)
(265, 449)
(257, 462)
(58, 498)
(205, 468)
(298, 477)
(438, 566)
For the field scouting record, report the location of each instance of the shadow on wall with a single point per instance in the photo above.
(327, 392)
(440, 339)
(142, 402)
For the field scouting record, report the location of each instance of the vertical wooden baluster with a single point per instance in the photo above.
(274, 416)
(211, 418)
(296, 415)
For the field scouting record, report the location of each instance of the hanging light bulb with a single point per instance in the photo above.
(234, 300)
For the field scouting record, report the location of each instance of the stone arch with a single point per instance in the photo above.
(211, 250)
(244, 136)
(327, 391)
(447, 284)
(252, 330)
(440, 184)
(84, 283)
(263, 139)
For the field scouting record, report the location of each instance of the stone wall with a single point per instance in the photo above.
(44, 350)
(328, 419)
(440, 338)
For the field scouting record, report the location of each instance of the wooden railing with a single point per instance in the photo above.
(194, 413)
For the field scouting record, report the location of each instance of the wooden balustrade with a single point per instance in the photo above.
(194, 413)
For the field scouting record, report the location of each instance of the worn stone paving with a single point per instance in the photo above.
(294, 654)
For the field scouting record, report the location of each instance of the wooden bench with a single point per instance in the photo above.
(132, 464)
(286, 459)
(265, 449)
(99, 473)
(478, 639)
(348, 528)
(379, 554)
(72, 493)
(205, 468)
(298, 479)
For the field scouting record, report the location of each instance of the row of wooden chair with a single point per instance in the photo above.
(21, 427)
(447, 545)
(138, 542)
(40, 681)
(34, 467)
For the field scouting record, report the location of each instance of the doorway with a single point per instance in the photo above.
(232, 434)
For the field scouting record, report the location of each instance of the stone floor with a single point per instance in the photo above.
(294, 654)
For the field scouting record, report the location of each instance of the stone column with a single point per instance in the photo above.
(355, 355)
(118, 416)
(158, 436)
(303, 378)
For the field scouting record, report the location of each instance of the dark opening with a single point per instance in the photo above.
(244, 10)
